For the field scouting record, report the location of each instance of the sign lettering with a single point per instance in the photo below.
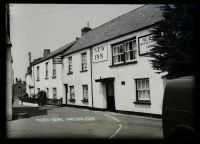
(146, 43)
(100, 53)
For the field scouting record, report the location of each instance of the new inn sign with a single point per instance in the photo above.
(100, 53)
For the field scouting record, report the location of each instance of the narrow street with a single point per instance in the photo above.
(65, 122)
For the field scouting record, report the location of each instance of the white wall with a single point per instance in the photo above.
(51, 82)
(125, 95)
(77, 79)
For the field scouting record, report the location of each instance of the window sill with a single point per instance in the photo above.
(142, 102)
(70, 73)
(53, 77)
(83, 71)
(72, 100)
(85, 100)
(37, 80)
(46, 78)
(121, 64)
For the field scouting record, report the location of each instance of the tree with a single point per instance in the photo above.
(174, 51)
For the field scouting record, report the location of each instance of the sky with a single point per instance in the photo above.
(35, 27)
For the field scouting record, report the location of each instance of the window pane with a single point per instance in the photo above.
(131, 55)
(127, 56)
(130, 45)
(147, 84)
(121, 49)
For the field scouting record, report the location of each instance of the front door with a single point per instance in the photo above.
(66, 91)
(110, 96)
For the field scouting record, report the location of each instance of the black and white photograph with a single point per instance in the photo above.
(100, 71)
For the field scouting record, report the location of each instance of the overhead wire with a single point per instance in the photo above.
(49, 11)
(27, 35)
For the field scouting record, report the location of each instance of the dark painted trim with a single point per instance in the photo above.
(139, 114)
(70, 73)
(72, 100)
(46, 78)
(126, 63)
(84, 100)
(97, 109)
(83, 71)
(105, 79)
(143, 54)
(53, 77)
(91, 75)
(117, 111)
(142, 102)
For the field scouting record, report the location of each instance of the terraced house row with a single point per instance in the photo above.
(107, 68)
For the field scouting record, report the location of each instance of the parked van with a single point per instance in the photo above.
(179, 109)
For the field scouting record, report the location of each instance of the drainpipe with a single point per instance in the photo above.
(34, 79)
(91, 74)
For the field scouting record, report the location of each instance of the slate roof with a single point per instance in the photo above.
(137, 19)
(54, 53)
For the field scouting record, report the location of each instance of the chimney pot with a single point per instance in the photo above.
(46, 52)
(85, 30)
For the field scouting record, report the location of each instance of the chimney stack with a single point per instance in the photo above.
(85, 29)
(46, 52)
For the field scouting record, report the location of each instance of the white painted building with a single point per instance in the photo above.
(107, 68)
(121, 74)
(46, 74)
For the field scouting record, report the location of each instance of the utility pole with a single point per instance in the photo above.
(9, 71)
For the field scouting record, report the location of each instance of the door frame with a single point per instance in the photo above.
(114, 107)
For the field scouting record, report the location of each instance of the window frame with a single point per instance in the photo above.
(38, 73)
(139, 101)
(123, 62)
(82, 67)
(46, 70)
(53, 70)
(84, 98)
(72, 99)
(54, 94)
(70, 65)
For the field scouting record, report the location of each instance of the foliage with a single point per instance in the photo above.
(174, 35)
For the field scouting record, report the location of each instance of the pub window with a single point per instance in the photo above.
(130, 50)
(124, 52)
(85, 92)
(54, 70)
(84, 61)
(46, 72)
(143, 90)
(38, 73)
(54, 93)
(70, 64)
(72, 93)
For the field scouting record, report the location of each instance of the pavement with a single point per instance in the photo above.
(67, 122)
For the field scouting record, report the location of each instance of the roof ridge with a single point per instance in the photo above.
(116, 18)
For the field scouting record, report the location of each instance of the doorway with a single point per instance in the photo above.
(66, 91)
(110, 97)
